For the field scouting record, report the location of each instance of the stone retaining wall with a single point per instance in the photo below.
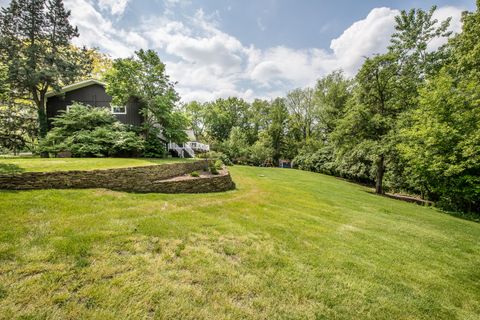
(134, 179)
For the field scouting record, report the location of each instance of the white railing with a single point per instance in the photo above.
(188, 148)
(189, 151)
(197, 146)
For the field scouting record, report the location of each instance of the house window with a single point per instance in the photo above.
(119, 109)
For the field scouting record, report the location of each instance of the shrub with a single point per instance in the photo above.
(154, 147)
(213, 169)
(218, 164)
(90, 132)
(194, 174)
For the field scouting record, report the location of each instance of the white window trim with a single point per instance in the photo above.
(113, 112)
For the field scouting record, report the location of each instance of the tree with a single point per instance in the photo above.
(332, 93)
(370, 119)
(35, 45)
(236, 146)
(302, 109)
(442, 146)
(224, 114)
(276, 130)
(415, 31)
(144, 78)
(196, 113)
(101, 63)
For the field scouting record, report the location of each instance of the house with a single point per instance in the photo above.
(92, 92)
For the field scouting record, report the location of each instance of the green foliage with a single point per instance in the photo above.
(236, 147)
(18, 127)
(213, 169)
(90, 132)
(153, 146)
(222, 115)
(261, 152)
(143, 77)
(370, 118)
(35, 45)
(194, 174)
(218, 164)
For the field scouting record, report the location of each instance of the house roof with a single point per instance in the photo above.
(74, 86)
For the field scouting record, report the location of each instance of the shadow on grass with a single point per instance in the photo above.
(8, 168)
(470, 216)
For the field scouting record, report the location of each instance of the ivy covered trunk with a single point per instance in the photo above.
(380, 173)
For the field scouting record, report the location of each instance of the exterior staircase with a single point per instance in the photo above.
(187, 150)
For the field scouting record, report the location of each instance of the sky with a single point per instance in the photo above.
(247, 48)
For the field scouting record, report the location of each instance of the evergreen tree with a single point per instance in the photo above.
(35, 45)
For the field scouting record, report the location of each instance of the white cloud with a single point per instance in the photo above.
(116, 7)
(363, 38)
(208, 63)
(455, 24)
(97, 31)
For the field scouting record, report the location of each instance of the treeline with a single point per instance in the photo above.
(409, 121)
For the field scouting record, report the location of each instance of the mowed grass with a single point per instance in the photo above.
(286, 244)
(15, 165)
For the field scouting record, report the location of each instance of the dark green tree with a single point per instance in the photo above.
(35, 45)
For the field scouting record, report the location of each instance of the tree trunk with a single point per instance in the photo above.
(42, 121)
(380, 172)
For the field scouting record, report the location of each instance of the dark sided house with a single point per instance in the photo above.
(92, 92)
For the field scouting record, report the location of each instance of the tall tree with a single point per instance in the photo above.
(302, 109)
(35, 45)
(442, 146)
(331, 95)
(368, 124)
(144, 77)
(224, 114)
(278, 123)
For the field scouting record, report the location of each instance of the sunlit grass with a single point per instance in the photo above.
(8, 165)
(285, 245)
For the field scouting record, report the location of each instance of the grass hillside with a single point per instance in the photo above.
(286, 244)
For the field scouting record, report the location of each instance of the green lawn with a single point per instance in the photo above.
(9, 165)
(285, 245)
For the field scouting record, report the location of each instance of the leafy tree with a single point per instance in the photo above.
(236, 146)
(222, 115)
(303, 115)
(259, 110)
(278, 122)
(442, 146)
(415, 30)
(196, 113)
(370, 119)
(101, 64)
(35, 45)
(143, 77)
(90, 132)
(17, 126)
(332, 93)
(261, 152)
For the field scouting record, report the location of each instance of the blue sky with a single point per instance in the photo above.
(247, 48)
